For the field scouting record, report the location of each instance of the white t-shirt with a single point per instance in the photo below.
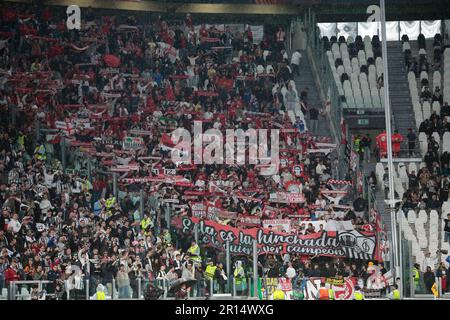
(208, 115)
(290, 272)
(320, 169)
(295, 59)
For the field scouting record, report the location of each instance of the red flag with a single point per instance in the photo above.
(111, 60)
(167, 141)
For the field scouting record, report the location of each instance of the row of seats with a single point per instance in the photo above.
(356, 79)
(446, 85)
(354, 44)
(422, 110)
(423, 241)
(444, 143)
(400, 175)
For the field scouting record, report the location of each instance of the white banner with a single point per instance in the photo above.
(278, 225)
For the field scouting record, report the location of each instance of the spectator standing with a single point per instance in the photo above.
(123, 283)
(441, 273)
(314, 119)
(281, 38)
(291, 99)
(447, 228)
(366, 143)
(429, 279)
(295, 62)
(411, 136)
(397, 139)
(429, 262)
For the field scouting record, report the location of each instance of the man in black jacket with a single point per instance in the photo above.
(447, 228)
(411, 136)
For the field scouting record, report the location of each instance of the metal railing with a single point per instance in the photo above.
(135, 290)
(326, 84)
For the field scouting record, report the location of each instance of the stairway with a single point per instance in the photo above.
(306, 80)
(379, 197)
(402, 112)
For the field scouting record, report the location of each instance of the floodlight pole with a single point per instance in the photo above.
(395, 241)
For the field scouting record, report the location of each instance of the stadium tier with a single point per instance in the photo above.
(173, 155)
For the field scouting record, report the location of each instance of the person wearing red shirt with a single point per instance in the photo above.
(251, 175)
(382, 143)
(11, 274)
(397, 139)
(203, 32)
(249, 34)
(201, 176)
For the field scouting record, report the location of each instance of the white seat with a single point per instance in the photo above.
(379, 66)
(343, 47)
(436, 80)
(355, 66)
(348, 67)
(335, 47)
(412, 216)
(379, 170)
(436, 106)
(340, 70)
(446, 143)
(423, 75)
(362, 58)
(426, 107)
(423, 216)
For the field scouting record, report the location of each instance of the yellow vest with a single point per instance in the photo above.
(100, 295)
(145, 223)
(21, 140)
(359, 295)
(86, 185)
(278, 295)
(236, 275)
(40, 152)
(110, 202)
(194, 255)
(416, 276)
(210, 271)
(396, 294)
(192, 250)
(331, 294)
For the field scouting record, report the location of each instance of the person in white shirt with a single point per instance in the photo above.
(320, 168)
(45, 205)
(290, 271)
(320, 202)
(208, 115)
(295, 62)
(429, 261)
(260, 69)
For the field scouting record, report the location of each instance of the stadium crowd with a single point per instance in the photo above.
(93, 87)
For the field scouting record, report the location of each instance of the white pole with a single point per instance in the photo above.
(397, 273)
(255, 268)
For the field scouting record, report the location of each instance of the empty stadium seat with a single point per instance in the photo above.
(422, 216)
(436, 106)
(426, 107)
(446, 142)
(436, 80)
